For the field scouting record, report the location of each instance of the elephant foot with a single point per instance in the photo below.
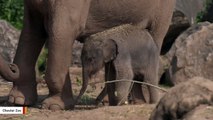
(58, 102)
(23, 95)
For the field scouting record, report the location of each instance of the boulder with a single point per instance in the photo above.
(184, 16)
(191, 54)
(178, 25)
(8, 40)
(202, 112)
(184, 98)
(9, 37)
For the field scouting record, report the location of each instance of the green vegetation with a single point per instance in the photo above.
(12, 11)
(86, 100)
(202, 14)
(41, 63)
(79, 81)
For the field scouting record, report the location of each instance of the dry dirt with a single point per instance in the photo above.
(85, 111)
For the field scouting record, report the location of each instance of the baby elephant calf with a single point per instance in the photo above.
(127, 52)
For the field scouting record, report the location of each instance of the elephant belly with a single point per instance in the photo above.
(110, 13)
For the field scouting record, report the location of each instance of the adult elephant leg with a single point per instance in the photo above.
(158, 29)
(66, 20)
(31, 41)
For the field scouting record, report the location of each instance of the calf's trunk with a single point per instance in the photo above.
(86, 79)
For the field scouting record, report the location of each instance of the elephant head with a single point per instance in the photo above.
(95, 54)
(9, 72)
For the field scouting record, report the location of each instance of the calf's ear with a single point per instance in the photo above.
(110, 50)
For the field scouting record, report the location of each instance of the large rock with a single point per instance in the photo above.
(179, 24)
(202, 112)
(184, 16)
(8, 40)
(183, 99)
(9, 37)
(192, 54)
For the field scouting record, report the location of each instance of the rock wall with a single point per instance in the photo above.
(183, 100)
(8, 40)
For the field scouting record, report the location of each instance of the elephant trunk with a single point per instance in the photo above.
(86, 78)
(9, 72)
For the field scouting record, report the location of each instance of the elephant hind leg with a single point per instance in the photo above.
(151, 77)
(66, 21)
(137, 94)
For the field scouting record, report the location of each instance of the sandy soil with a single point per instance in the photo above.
(85, 111)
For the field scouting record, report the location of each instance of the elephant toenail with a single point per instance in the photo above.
(19, 101)
(55, 107)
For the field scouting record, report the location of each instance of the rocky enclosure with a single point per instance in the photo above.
(184, 101)
(191, 54)
(187, 52)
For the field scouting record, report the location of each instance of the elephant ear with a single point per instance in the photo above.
(110, 50)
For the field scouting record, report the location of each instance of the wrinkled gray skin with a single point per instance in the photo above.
(9, 72)
(60, 22)
(127, 52)
(183, 98)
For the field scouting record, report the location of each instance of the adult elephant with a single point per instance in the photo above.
(60, 22)
(9, 72)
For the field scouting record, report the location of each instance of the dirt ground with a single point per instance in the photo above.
(84, 111)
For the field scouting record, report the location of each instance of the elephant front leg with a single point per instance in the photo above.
(123, 88)
(110, 87)
(58, 63)
(30, 44)
(66, 20)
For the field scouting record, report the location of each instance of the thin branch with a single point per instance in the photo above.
(133, 81)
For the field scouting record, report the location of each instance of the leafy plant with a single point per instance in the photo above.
(41, 63)
(201, 16)
(86, 100)
(12, 11)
